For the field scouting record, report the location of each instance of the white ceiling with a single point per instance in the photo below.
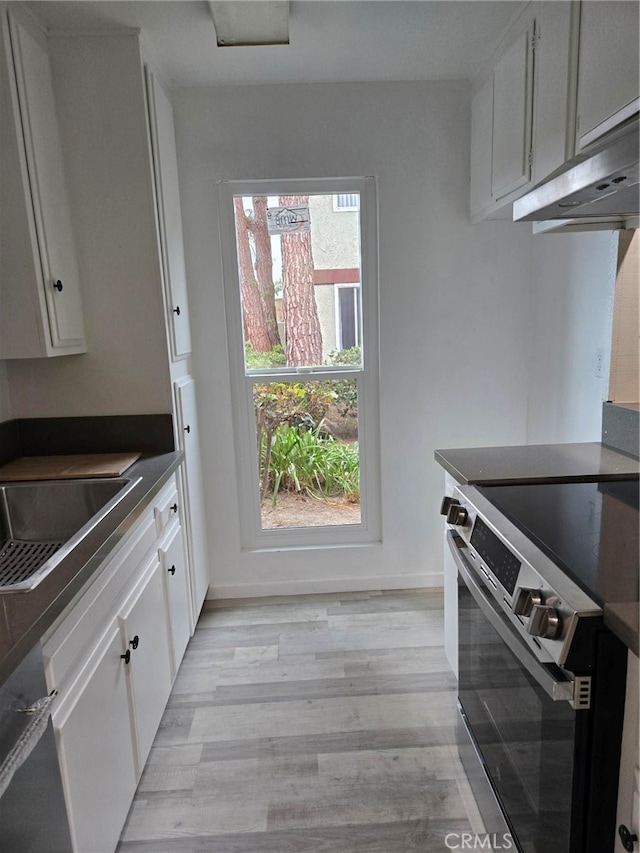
(331, 40)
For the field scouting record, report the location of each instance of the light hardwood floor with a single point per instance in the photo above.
(309, 724)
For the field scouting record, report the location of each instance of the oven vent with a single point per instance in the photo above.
(582, 693)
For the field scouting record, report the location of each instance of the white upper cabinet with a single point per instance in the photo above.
(607, 68)
(481, 149)
(512, 116)
(554, 85)
(41, 308)
(165, 168)
(523, 108)
(502, 122)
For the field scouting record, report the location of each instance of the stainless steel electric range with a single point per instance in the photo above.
(541, 679)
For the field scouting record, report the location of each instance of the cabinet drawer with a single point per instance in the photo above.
(70, 641)
(167, 506)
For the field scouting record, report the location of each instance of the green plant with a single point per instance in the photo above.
(306, 461)
(273, 358)
(346, 390)
(345, 356)
(290, 403)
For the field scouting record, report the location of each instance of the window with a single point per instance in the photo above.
(347, 306)
(346, 201)
(303, 356)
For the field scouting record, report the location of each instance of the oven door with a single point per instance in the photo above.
(526, 733)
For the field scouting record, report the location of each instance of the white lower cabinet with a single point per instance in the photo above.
(95, 746)
(112, 658)
(174, 569)
(146, 639)
(193, 490)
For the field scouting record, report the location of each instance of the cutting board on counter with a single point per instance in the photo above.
(67, 467)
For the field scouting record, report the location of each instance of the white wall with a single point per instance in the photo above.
(573, 282)
(453, 300)
(99, 91)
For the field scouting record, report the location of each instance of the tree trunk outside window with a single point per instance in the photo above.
(302, 326)
(264, 268)
(255, 327)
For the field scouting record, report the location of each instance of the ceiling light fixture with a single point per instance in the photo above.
(245, 23)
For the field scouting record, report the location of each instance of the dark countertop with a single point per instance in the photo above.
(25, 616)
(623, 620)
(537, 463)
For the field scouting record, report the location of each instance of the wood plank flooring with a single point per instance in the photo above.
(310, 724)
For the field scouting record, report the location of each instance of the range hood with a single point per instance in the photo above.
(600, 192)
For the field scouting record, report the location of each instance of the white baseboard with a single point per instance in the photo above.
(309, 587)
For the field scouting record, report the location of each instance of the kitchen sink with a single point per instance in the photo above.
(40, 522)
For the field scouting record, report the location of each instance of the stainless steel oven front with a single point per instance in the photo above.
(541, 689)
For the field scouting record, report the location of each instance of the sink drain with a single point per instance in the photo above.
(20, 560)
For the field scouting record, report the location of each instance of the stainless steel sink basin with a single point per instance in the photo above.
(41, 521)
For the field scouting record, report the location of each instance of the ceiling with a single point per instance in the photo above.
(330, 40)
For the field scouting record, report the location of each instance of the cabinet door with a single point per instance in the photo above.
(481, 142)
(554, 89)
(189, 441)
(607, 67)
(95, 746)
(165, 166)
(512, 116)
(145, 636)
(176, 578)
(38, 126)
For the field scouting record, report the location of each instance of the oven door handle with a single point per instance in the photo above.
(556, 689)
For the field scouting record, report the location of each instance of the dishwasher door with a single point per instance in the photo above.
(33, 815)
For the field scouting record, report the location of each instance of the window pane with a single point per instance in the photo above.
(348, 201)
(348, 318)
(309, 458)
(292, 252)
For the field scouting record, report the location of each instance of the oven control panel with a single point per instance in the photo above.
(518, 576)
(497, 557)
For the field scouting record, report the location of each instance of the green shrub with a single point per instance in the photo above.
(306, 461)
(273, 358)
(346, 390)
(345, 356)
(290, 403)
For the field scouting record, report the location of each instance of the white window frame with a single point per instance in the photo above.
(253, 537)
(336, 304)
